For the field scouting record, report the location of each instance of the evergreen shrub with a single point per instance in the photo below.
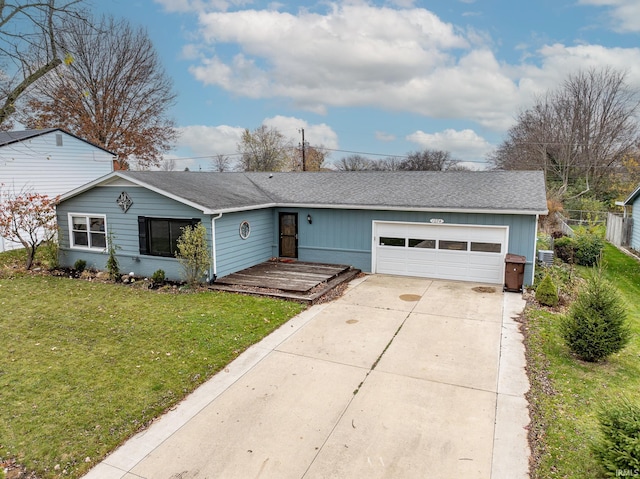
(618, 450)
(547, 292)
(596, 325)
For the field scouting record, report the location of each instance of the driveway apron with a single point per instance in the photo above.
(399, 378)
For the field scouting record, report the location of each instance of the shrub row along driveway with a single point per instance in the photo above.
(442, 400)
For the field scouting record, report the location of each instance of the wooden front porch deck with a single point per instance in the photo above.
(299, 281)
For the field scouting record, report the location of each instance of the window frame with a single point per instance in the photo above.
(88, 231)
(145, 237)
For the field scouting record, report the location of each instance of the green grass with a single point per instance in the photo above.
(565, 406)
(85, 365)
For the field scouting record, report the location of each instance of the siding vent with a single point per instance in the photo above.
(58, 139)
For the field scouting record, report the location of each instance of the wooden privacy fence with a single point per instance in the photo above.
(619, 229)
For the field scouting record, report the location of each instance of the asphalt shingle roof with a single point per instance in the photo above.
(521, 191)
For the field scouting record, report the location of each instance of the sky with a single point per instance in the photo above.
(376, 78)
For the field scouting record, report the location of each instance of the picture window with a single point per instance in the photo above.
(159, 236)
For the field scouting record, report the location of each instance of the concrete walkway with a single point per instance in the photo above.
(399, 378)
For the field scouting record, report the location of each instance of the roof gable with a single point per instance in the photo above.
(9, 137)
(632, 197)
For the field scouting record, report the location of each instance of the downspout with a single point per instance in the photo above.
(213, 269)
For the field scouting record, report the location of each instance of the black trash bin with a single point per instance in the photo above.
(514, 272)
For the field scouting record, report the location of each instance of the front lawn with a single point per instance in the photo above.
(85, 365)
(566, 393)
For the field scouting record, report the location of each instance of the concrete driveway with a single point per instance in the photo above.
(399, 378)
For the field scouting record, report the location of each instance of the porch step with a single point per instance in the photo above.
(310, 296)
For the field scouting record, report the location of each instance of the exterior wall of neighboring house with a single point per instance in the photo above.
(101, 200)
(52, 164)
(345, 236)
(635, 234)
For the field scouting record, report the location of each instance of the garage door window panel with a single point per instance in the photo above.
(390, 241)
(450, 245)
(422, 243)
(486, 247)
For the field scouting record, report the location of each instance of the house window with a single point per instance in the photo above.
(159, 236)
(88, 231)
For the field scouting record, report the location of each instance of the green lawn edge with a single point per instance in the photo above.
(566, 393)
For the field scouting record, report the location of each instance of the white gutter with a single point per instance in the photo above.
(213, 269)
(418, 209)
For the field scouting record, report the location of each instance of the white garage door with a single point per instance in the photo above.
(458, 252)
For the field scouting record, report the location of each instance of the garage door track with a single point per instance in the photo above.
(399, 378)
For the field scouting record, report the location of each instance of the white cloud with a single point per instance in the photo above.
(558, 61)
(462, 144)
(210, 140)
(314, 135)
(398, 59)
(624, 13)
(383, 136)
(184, 6)
(203, 141)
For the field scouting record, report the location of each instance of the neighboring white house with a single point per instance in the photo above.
(50, 162)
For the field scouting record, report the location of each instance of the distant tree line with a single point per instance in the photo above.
(266, 149)
(425, 160)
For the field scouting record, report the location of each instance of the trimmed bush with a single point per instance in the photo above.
(596, 325)
(618, 450)
(588, 248)
(564, 248)
(547, 292)
(158, 276)
(80, 265)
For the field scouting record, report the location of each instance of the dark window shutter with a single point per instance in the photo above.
(142, 235)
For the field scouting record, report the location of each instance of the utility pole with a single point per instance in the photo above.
(304, 165)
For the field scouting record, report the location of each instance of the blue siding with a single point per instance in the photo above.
(335, 236)
(124, 226)
(635, 233)
(345, 236)
(234, 253)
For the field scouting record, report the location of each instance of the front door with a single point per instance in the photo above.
(289, 235)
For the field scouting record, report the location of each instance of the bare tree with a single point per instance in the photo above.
(114, 93)
(221, 163)
(29, 45)
(168, 164)
(580, 132)
(427, 160)
(355, 163)
(264, 149)
(391, 163)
